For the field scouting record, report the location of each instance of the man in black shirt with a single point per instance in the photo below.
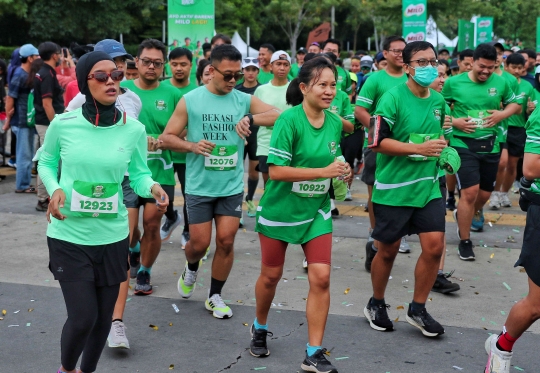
(48, 102)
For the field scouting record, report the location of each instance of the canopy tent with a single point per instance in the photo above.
(242, 46)
(436, 37)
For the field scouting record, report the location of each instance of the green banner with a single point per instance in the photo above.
(538, 34)
(414, 20)
(465, 35)
(484, 29)
(191, 24)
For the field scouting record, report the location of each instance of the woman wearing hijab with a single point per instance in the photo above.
(88, 232)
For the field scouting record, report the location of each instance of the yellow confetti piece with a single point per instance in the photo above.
(30, 309)
(171, 367)
(522, 270)
(4, 312)
(170, 324)
(153, 327)
(1, 318)
(397, 319)
(245, 323)
(430, 299)
(239, 301)
(492, 256)
(347, 291)
(130, 287)
(400, 307)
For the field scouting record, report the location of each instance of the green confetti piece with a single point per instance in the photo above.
(253, 299)
(341, 358)
(28, 324)
(406, 304)
(300, 278)
(228, 301)
(476, 278)
(127, 300)
(524, 295)
(483, 319)
(498, 273)
(493, 322)
(198, 283)
(205, 270)
(259, 368)
(520, 369)
(344, 302)
(508, 249)
(278, 311)
(516, 230)
(503, 313)
(46, 280)
(507, 286)
(410, 291)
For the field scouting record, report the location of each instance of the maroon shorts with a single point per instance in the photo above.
(318, 250)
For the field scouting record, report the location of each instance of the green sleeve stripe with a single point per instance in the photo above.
(279, 155)
(388, 120)
(281, 151)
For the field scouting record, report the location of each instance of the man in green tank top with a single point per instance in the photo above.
(219, 118)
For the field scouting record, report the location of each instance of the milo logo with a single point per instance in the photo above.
(332, 147)
(334, 109)
(415, 10)
(222, 151)
(97, 191)
(492, 91)
(484, 23)
(419, 36)
(161, 105)
(437, 114)
(481, 114)
(427, 138)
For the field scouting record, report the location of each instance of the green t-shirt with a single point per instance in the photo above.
(524, 92)
(157, 107)
(294, 71)
(272, 95)
(379, 83)
(472, 99)
(181, 157)
(532, 144)
(344, 81)
(298, 212)
(214, 118)
(94, 160)
(264, 77)
(341, 106)
(502, 126)
(410, 181)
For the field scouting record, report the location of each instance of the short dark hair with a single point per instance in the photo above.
(445, 63)
(515, 59)
(356, 58)
(311, 70)
(389, 40)
(180, 52)
(485, 51)
(331, 56)
(361, 51)
(131, 65)
(200, 69)
(466, 53)
(152, 44)
(225, 38)
(333, 41)
(225, 52)
(310, 56)
(414, 47)
(268, 46)
(206, 47)
(529, 52)
(48, 49)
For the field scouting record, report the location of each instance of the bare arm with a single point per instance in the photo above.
(393, 147)
(362, 115)
(48, 107)
(263, 114)
(347, 125)
(292, 174)
(10, 106)
(500, 115)
(531, 166)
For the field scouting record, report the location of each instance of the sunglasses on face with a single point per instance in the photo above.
(103, 77)
(248, 60)
(146, 63)
(227, 77)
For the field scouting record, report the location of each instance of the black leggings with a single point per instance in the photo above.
(180, 169)
(90, 311)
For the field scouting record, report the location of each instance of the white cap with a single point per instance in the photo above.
(366, 58)
(250, 61)
(280, 55)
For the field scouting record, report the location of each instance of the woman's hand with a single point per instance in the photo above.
(153, 144)
(162, 199)
(432, 148)
(56, 202)
(335, 169)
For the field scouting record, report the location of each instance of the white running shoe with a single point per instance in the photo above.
(304, 263)
(505, 201)
(404, 247)
(348, 196)
(498, 361)
(187, 282)
(117, 336)
(217, 306)
(494, 201)
(169, 226)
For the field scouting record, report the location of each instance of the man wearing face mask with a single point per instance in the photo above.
(48, 102)
(407, 132)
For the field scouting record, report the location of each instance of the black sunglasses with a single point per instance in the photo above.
(227, 77)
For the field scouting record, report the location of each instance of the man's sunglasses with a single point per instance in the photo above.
(146, 63)
(227, 77)
(103, 77)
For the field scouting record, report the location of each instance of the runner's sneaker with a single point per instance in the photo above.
(454, 214)
(335, 213)
(318, 363)
(451, 203)
(205, 257)
(505, 201)
(478, 221)
(217, 306)
(466, 250)
(169, 226)
(378, 317)
(304, 263)
(516, 186)
(498, 361)
(251, 209)
(404, 246)
(185, 239)
(258, 347)
(443, 285)
(423, 321)
(348, 196)
(134, 263)
(143, 286)
(11, 163)
(494, 201)
(370, 254)
(117, 336)
(187, 282)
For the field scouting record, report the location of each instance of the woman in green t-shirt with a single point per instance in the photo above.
(295, 207)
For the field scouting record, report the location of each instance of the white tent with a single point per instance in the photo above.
(242, 46)
(436, 37)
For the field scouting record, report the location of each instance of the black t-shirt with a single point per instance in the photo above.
(250, 91)
(46, 85)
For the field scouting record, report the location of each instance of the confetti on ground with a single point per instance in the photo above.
(493, 322)
(127, 300)
(507, 286)
(300, 278)
(430, 299)
(397, 319)
(245, 323)
(171, 367)
(153, 327)
(170, 324)
(259, 368)
(491, 225)
(347, 291)
(516, 230)
(400, 307)
(10, 326)
(522, 270)
(492, 256)
(483, 319)
(1, 318)
(503, 313)
(28, 324)
(17, 311)
(30, 309)
(520, 369)
(456, 367)
(4, 312)
(175, 308)
(341, 358)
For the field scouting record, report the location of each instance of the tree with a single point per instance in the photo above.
(243, 12)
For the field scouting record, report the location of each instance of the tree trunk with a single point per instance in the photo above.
(376, 37)
(356, 36)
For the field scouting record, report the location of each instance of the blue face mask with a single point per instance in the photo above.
(426, 75)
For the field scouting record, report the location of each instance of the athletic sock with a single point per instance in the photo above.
(312, 349)
(193, 266)
(416, 307)
(136, 249)
(440, 272)
(252, 187)
(215, 287)
(143, 268)
(256, 325)
(451, 194)
(377, 302)
(118, 320)
(332, 204)
(506, 341)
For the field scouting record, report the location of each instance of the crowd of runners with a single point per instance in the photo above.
(117, 132)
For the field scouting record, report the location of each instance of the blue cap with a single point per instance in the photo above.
(112, 48)
(379, 57)
(28, 50)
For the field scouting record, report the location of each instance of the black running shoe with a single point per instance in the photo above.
(134, 263)
(370, 254)
(443, 285)
(451, 203)
(318, 363)
(143, 286)
(378, 317)
(466, 250)
(423, 321)
(258, 347)
(335, 213)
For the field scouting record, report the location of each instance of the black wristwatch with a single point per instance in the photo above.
(250, 118)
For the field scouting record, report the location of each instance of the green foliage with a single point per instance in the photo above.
(5, 52)
(237, 15)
